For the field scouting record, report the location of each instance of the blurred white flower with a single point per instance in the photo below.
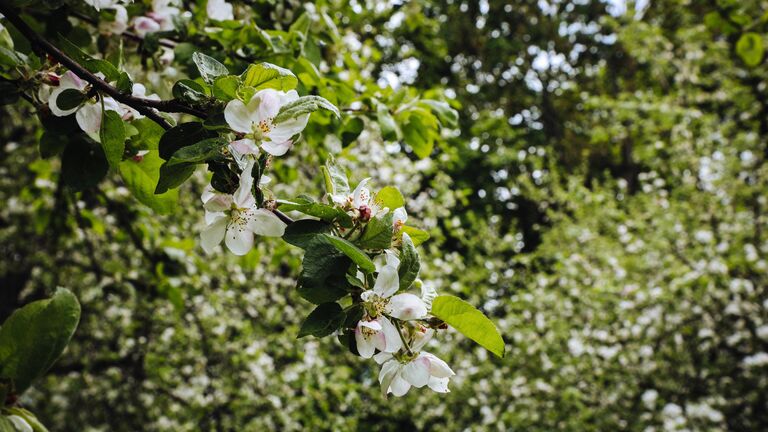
(219, 10)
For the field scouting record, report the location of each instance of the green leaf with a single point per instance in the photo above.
(93, 65)
(378, 233)
(390, 197)
(181, 136)
(325, 212)
(322, 277)
(304, 105)
(6, 425)
(750, 48)
(409, 263)
(124, 83)
(172, 177)
(350, 130)
(209, 67)
(324, 320)
(141, 176)
(303, 231)
(266, 75)
(353, 252)
(33, 337)
(69, 99)
(30, 418)
(448, 116)
(336, 182)
(419, 132)
(112, 135)
(52, 144)
(83, 164)
(189, 91)
(225, 87)
(389, 129)
(417, 236)
(469, 321)
(198, 152)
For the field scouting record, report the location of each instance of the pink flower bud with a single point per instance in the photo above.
(365, 213)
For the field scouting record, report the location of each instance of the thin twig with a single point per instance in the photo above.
(142, 105)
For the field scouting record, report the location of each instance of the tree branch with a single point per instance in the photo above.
(142, 105)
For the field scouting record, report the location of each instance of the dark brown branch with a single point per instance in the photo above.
(283, 217)
(142, 105)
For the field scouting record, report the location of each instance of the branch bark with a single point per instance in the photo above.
(146, 107)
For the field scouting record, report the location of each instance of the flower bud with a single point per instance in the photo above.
(51, 79)
(365, 213)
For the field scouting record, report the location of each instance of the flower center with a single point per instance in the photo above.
(238, 218)
(262, 128)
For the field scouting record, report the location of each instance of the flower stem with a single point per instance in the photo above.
(402, 337)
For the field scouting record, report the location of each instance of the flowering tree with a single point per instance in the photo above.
(85, 68)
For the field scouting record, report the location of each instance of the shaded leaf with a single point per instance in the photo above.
(353, 252)
(324, 320)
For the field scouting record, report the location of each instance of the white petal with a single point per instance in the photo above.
(238, 117)
(417, 372)
(361, 195)
(437, 367)
(365, 345)
(218, 203)
(243, 196)
(219, 10)
(89, 117)
(238, 239)
(428, 294)
(393, 343)
(387, 282)
(276, 148)
(373, 325)
(208, 193)
(392, 259)
(389, 370)
(439, 385)
(70, 80)
(399, 216)
(421, 338)
(399, 386)
(143, 25)
(211, 217)
(20, 424)
(284, 130)
(245, 146)
(406, 307)
(269, 103)
(383, 357)
(265, 223)
(213, 233)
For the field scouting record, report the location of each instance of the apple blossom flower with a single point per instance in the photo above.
(397, 375)
(87, 114)
(254, 119)
(375, 330)
(159, 19)
(235, 218)
(119, 24)
(219, 10)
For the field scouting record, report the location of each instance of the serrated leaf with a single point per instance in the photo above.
(409, 263)
(336, 182)
(266, 75)
(417, 236)
(303, 231)
(469, 321)
(34, 337)
(83, 164)
(181, 136)
(319, 210)
(390, 197)
(448, 116)
(198, 152)
(750, 48)
(324, 320)
(141, 176)
(189, 91)
(209, 67)
(322, 277)
(172, 177)
(378, 233)
(112, 136)
(304, 105)
(70, 98)
(225, 87)
(353, 252)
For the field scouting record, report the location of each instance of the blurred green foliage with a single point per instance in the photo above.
(603, 199)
